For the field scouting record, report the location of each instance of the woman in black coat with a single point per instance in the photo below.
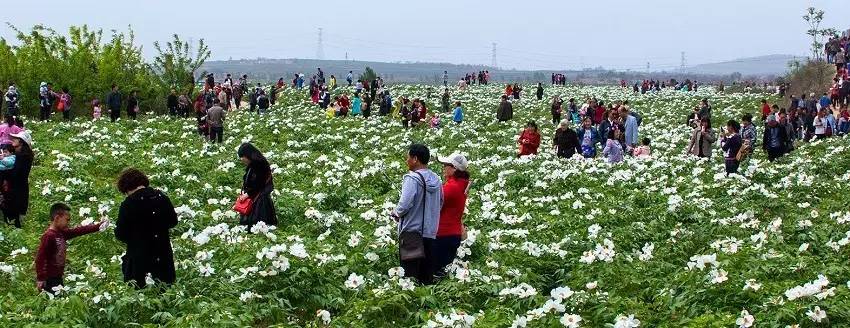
(257, 184)
(144, 219)
(17, 198)
(133, 104)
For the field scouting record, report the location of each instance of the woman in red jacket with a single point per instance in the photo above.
(529, 140)
(451, 230)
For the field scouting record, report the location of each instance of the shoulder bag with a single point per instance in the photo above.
(410, 243)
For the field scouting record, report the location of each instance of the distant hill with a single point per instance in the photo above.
(771, 65)
(263, 69)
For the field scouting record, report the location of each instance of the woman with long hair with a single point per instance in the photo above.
(257, 185)
(17, 197)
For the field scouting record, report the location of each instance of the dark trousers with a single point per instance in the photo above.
(12, 112)
(732, 166)
(216, 133)
(444, 252)
(131, 114)
(556, 117)
(114, 114)
(774, 153)
(13, 219)
(52, 282)
(172, 111)
(44, 113)
(66, 114)
(566, 152)
(253, 107)
(421, 269)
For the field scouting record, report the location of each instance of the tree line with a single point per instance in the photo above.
(88, 63)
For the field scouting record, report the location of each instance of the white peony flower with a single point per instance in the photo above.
(354, 281)
(817, 315)
(570, 320)
(325, 316)
(623, 321)
(745, 320)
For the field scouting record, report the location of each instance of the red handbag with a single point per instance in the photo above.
(244, 206)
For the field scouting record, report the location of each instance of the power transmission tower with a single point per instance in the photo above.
(683, 60)
(320, 49)
(494, 63)
(346, 56)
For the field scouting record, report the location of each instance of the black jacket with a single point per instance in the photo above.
(256, 178)
(132, 103)
(18, 197)
(114, 100)
(172, 101)
(144, 219)
(506, 111)
(263, 102)
(258, 184)
(567, 142)
(777, 131)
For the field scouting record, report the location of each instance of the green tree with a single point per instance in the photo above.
(368, 74)
(814, 17)
(178, 61)
(83, 61)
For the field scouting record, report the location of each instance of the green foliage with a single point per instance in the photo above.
(177, 62)
(368, 75)
(88, 64)
(530, 222)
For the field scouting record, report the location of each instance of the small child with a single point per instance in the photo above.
(7, 161)
(435, 121)
(613, 150)
(457, 116)
(50, 258)
(331, 111)
(643, 150)
(96, 111)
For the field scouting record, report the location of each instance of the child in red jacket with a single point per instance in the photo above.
(50, 258)
(529, 140)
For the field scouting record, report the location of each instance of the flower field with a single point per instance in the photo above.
(662, 242)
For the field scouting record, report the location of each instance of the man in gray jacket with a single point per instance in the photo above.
(215, 120)
(418, 210)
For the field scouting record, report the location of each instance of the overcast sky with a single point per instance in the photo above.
(530, 34)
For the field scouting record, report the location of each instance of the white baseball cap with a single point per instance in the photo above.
(457, 160)
(23, 135)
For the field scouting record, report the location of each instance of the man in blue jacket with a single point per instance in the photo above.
(418, 211)
(113, 100)
(825, 101)
(631, 128)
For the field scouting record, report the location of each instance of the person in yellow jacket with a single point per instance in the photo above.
(331, 111)
(397, 109)
(332, 83)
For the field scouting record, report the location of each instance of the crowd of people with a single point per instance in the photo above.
(482, 78)
(612, 129)
(429, 211)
